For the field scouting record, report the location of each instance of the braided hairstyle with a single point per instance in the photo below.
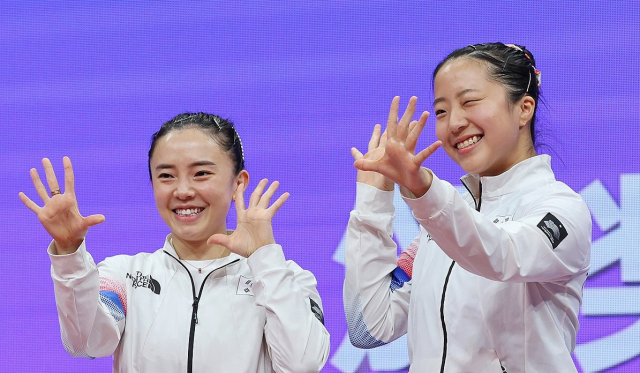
(511, 65)
(221, 130)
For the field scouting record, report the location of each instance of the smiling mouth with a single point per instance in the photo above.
(188, 212)
(468, 142)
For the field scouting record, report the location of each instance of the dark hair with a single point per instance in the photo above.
(511, 65)
(221, 130)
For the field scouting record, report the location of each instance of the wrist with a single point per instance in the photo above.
(422, 183)
(375, 180)
(65, 248)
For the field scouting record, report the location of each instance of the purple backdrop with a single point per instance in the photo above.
(304, 82)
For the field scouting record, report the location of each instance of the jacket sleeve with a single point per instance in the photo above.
(295, 334)
(91, 305)
(377, 284)
(550, 243)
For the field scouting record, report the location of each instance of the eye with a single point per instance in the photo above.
(202, 173)
(469, 102)
(438, 112)
(164, 176)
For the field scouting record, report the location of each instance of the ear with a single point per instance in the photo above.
(242, 178)
(527, 109)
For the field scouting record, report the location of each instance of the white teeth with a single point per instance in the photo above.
(186, 212)
(468, 142)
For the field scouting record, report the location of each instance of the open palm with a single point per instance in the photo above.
(254, 228)
(60, 215)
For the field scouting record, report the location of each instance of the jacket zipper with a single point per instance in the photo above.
(194, 308)
(478, 204)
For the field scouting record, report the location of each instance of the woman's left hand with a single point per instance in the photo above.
(254, 228)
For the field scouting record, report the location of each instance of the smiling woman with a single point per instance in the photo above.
(210, 299)
(493, 283)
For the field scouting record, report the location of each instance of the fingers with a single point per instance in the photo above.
(51, 175)
(403, 125)
(92, 220)
(415, 129)
(69, 180)
(219, 239)
(29, 203)
(239, 194)
(266, 197)
(356, 153)
(278, 203)
(37, 183)
(426, 153)
(375, 138)
(257, 193)
(392, 120)
(366, 165)
(383, 139)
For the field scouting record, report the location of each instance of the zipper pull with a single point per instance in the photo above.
(195, 309)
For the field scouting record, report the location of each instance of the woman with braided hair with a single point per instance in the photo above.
(211, 300)
(493, 283)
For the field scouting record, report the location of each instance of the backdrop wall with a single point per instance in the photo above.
(303, 82)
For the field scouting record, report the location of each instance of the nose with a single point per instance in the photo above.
(183, 190)
(457, 121)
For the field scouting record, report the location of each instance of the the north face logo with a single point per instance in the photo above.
(145, 281)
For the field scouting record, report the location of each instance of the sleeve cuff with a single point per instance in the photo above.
(266, 258)
(68, 266)
(371, 200)
(432, 202)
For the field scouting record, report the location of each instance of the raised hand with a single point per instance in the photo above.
(396, 158)
(60, 215)
(254, 228)
(375, 151)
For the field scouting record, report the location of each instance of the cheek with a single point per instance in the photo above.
(441, 131)
(160, 195)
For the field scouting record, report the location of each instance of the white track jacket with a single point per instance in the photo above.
(493, 283)
(257, 314)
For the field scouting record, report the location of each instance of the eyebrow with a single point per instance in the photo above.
(464, 91)
(165, 166)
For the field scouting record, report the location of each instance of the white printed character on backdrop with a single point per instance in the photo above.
(620, 243)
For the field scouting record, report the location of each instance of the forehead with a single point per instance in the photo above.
(460, 74)
(186, 146)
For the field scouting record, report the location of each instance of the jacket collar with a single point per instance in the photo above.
(514, 179)
(221, 262)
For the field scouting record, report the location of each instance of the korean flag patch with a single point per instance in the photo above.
(245, 285)
(553, 229)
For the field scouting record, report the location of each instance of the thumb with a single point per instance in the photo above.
(92, 220)
(219, 239)
(356, 153)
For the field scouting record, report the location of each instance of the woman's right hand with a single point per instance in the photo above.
(375, 150)
(60, 215)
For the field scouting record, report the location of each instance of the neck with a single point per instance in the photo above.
(200, 250)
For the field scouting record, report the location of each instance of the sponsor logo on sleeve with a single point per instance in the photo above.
(553, 229)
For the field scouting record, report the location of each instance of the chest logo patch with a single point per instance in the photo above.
(553, 229)
(245, 285)
(145, 281)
